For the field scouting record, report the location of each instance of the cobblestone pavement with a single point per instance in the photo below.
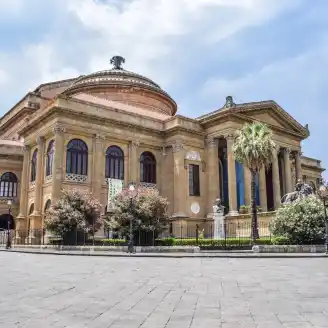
(72, 291)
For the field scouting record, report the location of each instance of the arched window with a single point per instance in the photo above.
(50, 157)
(147, 167)
(114, 163)
(33, 165)
(47, 206)
(77, 157)
(8, 185)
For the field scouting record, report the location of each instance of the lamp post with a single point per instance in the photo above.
(8, 244)
(130, 243)
(323, 194)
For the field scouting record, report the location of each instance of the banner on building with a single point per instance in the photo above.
(115, 186)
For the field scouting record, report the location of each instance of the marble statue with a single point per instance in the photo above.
(218, 207)
(301, 190)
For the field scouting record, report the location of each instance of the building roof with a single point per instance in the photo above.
(119, 105)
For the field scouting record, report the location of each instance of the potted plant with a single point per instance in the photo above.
(243, 209)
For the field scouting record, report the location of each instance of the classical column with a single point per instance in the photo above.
(298, 165)
(263, 193)
(276, 181)
(134, 161)
(24, 184)
(213, 184)
(179, 180)
(39, 178)
(288, 171)
(232, 183)
(97, 166)
(57, 167)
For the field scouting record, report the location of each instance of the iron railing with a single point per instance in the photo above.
(207, 235)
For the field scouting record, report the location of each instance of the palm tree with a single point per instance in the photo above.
(253, 146)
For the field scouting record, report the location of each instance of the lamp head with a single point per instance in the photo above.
(9, 202)
(131, 187)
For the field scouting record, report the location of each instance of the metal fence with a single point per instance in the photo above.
(207, 235)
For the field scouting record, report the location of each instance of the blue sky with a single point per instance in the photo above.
(199, 51)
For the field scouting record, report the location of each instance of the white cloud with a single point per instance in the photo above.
(298, 84)
(154, 36)
(10, 6)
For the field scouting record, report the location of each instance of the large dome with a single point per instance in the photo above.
(117, 81)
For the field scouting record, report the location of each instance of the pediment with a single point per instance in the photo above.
(268, 118)
(274, 116)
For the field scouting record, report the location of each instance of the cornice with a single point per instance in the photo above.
(254, 107)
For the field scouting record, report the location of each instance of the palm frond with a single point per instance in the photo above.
(253, 146)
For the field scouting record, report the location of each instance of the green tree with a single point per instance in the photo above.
(302, 221)
(147, 208)
(74, 211)
(254, 148)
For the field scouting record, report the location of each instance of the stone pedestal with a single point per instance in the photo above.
(219, 229)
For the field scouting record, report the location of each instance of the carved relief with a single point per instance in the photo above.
(26, 148)
(58, 129)
(193, 156)
(177, 146)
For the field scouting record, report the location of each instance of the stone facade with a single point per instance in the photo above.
(59, 137)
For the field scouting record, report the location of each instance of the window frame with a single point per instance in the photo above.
(194, 179)
(77, 159)
(8, 185)
(148, 167)
(114, 163)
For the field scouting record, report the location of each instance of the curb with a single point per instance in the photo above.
(173, 255)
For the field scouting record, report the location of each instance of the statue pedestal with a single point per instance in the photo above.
(219, 229)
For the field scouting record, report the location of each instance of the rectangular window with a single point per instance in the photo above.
(194, 189)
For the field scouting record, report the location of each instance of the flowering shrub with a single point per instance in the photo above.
(147, 207)
(74, 211)
(302, 221)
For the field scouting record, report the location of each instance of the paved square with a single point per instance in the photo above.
(72, 291)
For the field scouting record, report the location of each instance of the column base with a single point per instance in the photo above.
(179, 215)
(233, 213)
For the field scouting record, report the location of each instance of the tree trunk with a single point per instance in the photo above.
(255, 232)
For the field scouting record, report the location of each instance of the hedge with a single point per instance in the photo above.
(221, 242)
(114, 242)
(205, 242)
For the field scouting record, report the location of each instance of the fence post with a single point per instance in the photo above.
(180, 230)
(225, 233)
(197, 233)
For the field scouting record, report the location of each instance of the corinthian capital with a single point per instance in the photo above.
(177, 146)
(211, 142)
(26, 148)
(135, 143)
(58, 129)
(40, 140)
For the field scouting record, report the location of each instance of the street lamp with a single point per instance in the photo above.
(130, 243)
(323, 194)
(8, 244)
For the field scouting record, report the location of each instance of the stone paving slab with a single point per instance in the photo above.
(228, 254)
(138, 292)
